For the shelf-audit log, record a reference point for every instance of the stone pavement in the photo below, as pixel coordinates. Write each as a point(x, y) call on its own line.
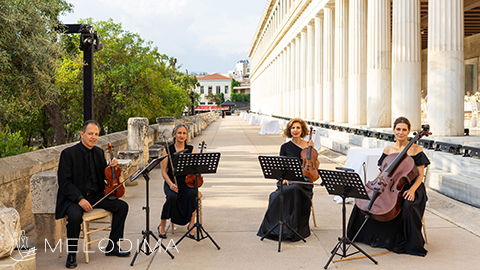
point(234, 202)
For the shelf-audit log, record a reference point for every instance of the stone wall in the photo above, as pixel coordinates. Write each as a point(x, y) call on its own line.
point(16, 171)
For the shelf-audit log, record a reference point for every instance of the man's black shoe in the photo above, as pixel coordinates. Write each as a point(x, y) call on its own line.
point(116, 251)
point(71, 260)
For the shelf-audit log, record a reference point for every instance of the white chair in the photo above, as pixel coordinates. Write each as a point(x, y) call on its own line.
point(475, 115)
point(424, 109)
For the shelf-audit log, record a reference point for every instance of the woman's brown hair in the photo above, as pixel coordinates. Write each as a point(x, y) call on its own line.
point(401, 119)
point(288, 134)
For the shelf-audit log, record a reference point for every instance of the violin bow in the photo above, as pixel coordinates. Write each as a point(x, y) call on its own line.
point(170, 159)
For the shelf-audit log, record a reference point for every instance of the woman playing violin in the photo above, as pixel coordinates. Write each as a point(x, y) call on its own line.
point(403, 233)
point(297, 197)
point(180, 202)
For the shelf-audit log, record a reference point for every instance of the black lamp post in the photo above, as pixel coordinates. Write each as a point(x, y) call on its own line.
point(89, 44)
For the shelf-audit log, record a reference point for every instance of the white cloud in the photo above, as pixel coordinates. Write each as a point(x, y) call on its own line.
point(204, 35)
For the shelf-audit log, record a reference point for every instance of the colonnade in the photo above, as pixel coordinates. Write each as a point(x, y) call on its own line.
point(349, 61)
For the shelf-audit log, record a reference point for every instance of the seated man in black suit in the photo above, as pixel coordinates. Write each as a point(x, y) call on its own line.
point(81, 183)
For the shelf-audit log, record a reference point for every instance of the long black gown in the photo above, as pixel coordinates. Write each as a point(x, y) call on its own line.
point(178, 207)
point(297, 203)
point(403, 234)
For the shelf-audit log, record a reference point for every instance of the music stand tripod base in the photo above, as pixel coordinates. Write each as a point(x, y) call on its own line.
point(197, 163)
point(147, 232)
point(275, 167)
point(345, 184)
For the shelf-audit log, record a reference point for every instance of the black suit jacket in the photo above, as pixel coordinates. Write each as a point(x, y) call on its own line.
point(72, 176)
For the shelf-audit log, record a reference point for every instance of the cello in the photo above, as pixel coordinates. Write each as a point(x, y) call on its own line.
point(190, 179)
point(386, 190)
point(309, 158)
point(112, 174)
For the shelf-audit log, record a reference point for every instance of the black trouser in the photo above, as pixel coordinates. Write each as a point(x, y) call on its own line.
point(118, 208)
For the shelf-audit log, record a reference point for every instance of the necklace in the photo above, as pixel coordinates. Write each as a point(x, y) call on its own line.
point(399, 149)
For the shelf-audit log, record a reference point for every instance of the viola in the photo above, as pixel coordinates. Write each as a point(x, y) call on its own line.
point(309, 159)
point(112, 175)
point(190, 179)
point(386, 191)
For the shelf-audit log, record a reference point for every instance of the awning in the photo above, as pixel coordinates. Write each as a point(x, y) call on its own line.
point(227, 103)
point(210, 107)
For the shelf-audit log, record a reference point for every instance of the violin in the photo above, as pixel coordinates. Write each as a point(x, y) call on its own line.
point(190, 179)
point(309, 159)
point(112, 174)
point(386, 190)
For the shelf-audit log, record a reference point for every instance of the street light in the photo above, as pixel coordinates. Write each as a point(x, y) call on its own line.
point(89, 44)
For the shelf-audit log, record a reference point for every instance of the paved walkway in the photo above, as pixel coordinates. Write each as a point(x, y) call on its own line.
point(234, 202)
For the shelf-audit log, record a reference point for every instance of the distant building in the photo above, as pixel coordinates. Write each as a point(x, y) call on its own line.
point(241, 73)
point(213, 84)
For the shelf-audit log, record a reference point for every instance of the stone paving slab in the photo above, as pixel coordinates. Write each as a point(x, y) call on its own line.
point(234, 202)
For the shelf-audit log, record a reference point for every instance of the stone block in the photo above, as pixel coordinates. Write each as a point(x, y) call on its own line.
point(137, 131)
point(165, 127)
point(9, 230)
point(44, 188)
point(47, 228)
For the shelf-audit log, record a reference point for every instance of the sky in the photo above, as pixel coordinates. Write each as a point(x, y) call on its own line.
point(204, 35)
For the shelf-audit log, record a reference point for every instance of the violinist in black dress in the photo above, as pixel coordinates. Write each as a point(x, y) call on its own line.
point(297, 197)
point(403, 234)
point(179, 206)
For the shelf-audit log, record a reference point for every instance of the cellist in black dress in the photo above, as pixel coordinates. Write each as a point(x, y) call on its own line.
point(297, 197)
point(403, 234)
point(179, 206)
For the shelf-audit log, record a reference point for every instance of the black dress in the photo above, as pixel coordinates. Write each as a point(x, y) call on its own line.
point(297, 203)
point(179, 206)
point(403, 234)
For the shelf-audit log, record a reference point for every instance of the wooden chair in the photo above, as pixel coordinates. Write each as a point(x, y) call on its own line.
point(96, 217)
point(313, 215)
point(424, 224)
point(200, 196)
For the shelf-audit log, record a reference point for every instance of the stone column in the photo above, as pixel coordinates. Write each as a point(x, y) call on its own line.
point(303, 74)
point(446, 70)
point(288, 76)
point(137, 131)
point(357, 67)
point(44, 187)
point(328, 78)
point(341, 61)
point(318, 74)
point(283, 83)
point(298, 62)
point(310, 69)
point(378, 64)
point(406, 61)
point(293, 81)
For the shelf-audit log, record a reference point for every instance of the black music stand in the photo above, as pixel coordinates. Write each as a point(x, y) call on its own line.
point(280, 168)
point(197, 163)
point(147, 232)
point(345, 184)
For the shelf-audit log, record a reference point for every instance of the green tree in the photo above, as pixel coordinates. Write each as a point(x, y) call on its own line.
point(28, 59)
point(11, 143)
point(233, 84)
